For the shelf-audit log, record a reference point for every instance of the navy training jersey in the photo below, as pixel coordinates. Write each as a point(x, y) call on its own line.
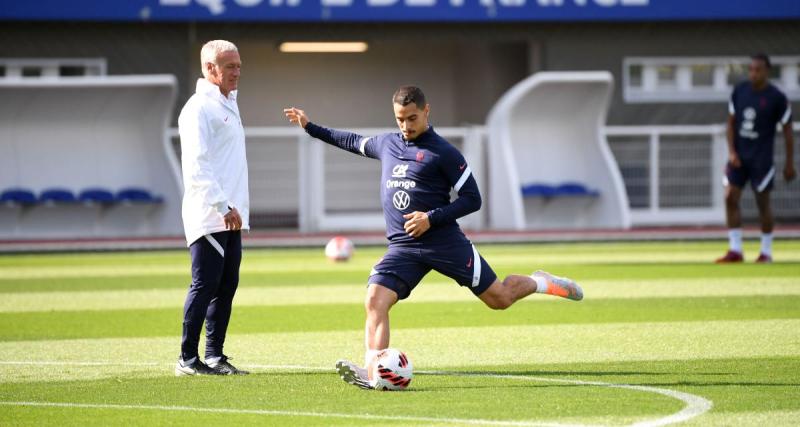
point(416, 175)
point(756, 114)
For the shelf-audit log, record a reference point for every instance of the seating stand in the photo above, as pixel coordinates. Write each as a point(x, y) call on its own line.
point(131, 211)
point(547, 131)
point(76, 144)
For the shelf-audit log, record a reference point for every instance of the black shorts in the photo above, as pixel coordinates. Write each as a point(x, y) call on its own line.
point(761, 175)
point(402, 268)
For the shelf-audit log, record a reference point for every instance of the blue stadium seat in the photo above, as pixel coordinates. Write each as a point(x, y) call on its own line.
point(137, 195)
point(20, 196)
point(57, 195)
point(575, 189)
point(538, 190)
point(96, 195)
point(564, 189)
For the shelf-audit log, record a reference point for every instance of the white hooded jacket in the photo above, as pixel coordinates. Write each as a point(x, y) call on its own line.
point(213, 161)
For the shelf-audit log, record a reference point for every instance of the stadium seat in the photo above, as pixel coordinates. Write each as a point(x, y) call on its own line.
point(137, 195)
point(19, 196)
point(538, 190)
point(96, 195)
point(57, 195)
point(575, 189)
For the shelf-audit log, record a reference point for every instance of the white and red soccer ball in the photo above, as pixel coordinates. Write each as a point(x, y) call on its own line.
point(339, 249)
point(391, 370)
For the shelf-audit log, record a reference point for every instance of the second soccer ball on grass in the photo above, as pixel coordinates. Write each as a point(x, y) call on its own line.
point(339, 249)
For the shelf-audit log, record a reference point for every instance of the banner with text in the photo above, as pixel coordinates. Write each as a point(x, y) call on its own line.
point(396, 10)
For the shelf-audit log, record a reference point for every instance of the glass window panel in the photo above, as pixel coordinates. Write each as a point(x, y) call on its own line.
point(31, 71)
point(93, 70)
point(775, 72)
point(798, 75)
point(666, 75)
point(737, 73)
point(635, 75)
point(72, 70)
point(702, 75)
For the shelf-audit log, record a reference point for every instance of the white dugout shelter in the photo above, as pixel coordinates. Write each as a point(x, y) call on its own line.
point(550, 165)
point(88, 157)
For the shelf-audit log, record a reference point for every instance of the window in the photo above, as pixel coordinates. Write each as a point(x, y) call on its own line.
point(635, 75)
point(736, 73)
point(667, 76)
point(51, 67)
point(702, 75)
point(699, 79)
point(31, 71)
point(775, 73)
point(71, 70)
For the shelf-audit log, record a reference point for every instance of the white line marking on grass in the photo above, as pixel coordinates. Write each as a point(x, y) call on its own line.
point(151, 364)
point(695, 405)
point(286, 413)
point(55, 363)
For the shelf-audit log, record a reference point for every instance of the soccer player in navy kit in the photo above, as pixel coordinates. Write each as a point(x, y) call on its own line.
point(755, 108)
point(419, 169)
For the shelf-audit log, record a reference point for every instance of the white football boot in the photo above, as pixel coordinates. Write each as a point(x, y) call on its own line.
point(353, 374)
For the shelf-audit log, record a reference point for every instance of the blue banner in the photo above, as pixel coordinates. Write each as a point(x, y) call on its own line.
point(396, 10)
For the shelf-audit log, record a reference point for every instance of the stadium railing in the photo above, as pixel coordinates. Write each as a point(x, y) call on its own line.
point(672, 173)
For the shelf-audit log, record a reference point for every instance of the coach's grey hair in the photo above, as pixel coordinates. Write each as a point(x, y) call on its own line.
point(212, 50)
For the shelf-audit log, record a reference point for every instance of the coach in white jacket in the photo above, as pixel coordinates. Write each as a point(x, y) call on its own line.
point(215, 206)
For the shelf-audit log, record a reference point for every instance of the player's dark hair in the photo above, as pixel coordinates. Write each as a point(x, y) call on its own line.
point(409, 94)
point(763, 58)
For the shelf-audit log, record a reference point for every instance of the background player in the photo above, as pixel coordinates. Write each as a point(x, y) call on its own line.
point(418, 170)
point(755, 108)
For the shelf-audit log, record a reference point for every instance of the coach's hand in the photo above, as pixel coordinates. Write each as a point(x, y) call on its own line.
point(788, 172)
point(734, 160)
point(233, 221)
point(296, 115)
point(417, 224)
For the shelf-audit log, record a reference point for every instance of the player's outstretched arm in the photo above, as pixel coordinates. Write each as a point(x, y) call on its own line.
point(349, 141)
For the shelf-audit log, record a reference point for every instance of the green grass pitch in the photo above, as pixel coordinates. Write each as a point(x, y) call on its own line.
point(662, 336)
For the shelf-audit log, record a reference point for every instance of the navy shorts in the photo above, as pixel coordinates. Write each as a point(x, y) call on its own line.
point(402, 268)
point(760, 174)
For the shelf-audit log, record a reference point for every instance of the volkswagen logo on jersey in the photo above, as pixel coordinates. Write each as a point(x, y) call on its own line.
point(401, 200)
point(399, 171)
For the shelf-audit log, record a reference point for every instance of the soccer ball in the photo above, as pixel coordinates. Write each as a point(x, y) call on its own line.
point(339, 249)
point(391, 370)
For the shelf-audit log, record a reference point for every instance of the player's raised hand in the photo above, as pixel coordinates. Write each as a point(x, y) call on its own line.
point(296, 115)
point(417, 224)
